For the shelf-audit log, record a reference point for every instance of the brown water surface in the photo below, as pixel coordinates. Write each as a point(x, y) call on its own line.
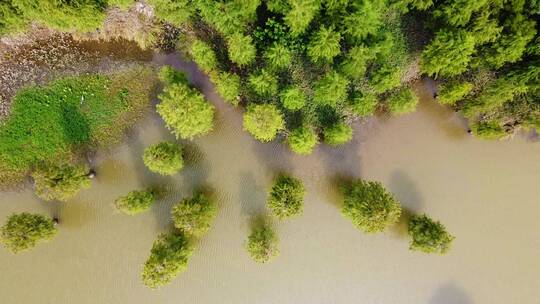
point(484, 192)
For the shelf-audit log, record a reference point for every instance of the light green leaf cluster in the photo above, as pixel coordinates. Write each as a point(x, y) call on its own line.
point(228, 86)
point(337, 134)
point(164, 158)
point(454, 91)
point(293, 98)
point(324, 45)
point(263, 121)
point(449, 54)
point(194, 215)
point(135, 202)
point(262, 244)
point(364, 104)
point(402, 102)
point(286, 197)
point(203, 55)
point(490, 129)
point(429, 236)
point(25, 230)
point(330, 89)
point(60, 181)
point(278, 56)
point(176, 12)
point(263, 83)
point(241, 49)
point(370, 206)
point(303, 140)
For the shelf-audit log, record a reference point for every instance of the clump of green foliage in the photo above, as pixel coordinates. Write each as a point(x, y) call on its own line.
point(175, 12)
point(262, 243)
point(203, 55)
point(429, 236)
point(194, 215)
point(25, 230)
point(53, 123)
point(306, 58)
point(164, 158)
point(60, 181)
point(364, 105)
point(135, 202)
point(168, 258)
point(454, 91)
point(228, 86)
point(293, 99)
point(370, 206)
point(337, 134)
point(184, 109)
point(303, 140)
point(263, 121)
point(488, 129)
point(403, 102)
point(286, 197)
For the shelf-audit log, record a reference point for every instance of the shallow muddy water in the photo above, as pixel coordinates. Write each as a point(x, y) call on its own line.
point(484, 192)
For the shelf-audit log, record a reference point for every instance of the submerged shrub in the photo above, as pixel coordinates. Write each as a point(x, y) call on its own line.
point(286, 197)
point(263, 121)
point(60, 181)
point(194, 215)
point(454, 91)
point(262, 244)
point(25, 230)
point(330, 89)
point(337, 134)
point(402, 102)
point(324, 45)
point(135, 202)
point(168, 258)
point(293, 98)
point(203, 55)
point(241, 49)
point(428, 236)
point(490, 129)
point(370, 206)
point(185, 111)
point(228, 87)
point(303, 140)
point(164, 158)
point(263, 83)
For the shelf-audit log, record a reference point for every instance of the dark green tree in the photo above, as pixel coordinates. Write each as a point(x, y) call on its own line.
point(25, 230)
point(164, 158)
point(194, 215)
point(428, 236)
point(286, 197)
point(60, 181)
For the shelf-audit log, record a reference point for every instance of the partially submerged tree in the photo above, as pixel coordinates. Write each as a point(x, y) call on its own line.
point(228, 86)
point(263, 121)
point(429, 236)
point(194, 215)
point(286, 198)
point(185, 110)
point(454, 91)
point(25, 230)
point(370, 206)
point(168, 258)
point(403, 102)
point(303, 140)
point(164, 158)
point(203, 55)
point(135, 202)
point(60, 181)
point(262, 243)
point(337, 134)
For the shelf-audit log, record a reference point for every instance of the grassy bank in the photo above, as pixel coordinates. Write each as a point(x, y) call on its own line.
point(70, 116)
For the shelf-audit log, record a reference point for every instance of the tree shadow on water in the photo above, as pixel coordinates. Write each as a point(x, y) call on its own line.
point(405, 190)
point(252, 196)
point(449, 293)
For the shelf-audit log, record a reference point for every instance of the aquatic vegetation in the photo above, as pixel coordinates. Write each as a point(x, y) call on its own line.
point(25, 230)
point(370, 206)
point(286, 198)
point(337, 134)
point(403, 102)
point(135, 202)
point(60, 181)
point(262, 243)
point(184, 109)
point(71, 115)
point(203, 55)
point(194, 215)
point(454, 91)
point(168, 258)
point(228, 86)
point(164, 158)
point(303, 140)
point(429, 236)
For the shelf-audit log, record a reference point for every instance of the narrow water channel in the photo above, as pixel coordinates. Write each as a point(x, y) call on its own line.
point(484, 192)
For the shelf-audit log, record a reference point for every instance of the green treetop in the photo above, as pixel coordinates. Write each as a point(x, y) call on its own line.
point(24, 230)
point(135, 202)
point(370, 206)
point(228, 87)
point(241, 49)
point(330, 89)
point(203, 55)
point(303, 140)
point(402, 102)
point(337, 134)
point(164, 158)
point(262, 243)
point(293, 98)
point(324, 45)
point(428, 236)
point(286, 197)
point(263, 121)
point(60, 181)
point(263, 83)
point(168, 258)
point(194, 215)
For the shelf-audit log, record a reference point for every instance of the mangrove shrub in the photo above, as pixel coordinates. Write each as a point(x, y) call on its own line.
point(194, 215)
point(24, 230)
point(60, 181)
point(262, 243)
point(403, 102)
point(135, 202)
point(303, 140)
point(428, 236)
point(263, 121)
point(164, 158)
point(370, 206)
point(286, 197)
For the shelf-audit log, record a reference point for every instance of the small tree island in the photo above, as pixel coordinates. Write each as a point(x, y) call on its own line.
point(286, 197)
point(429, 236)
point(135, 202)
point(370, 206)
point(164, 158)
point(194, 215)
point(60, 181)
point(25, 230)
point(262, 243)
